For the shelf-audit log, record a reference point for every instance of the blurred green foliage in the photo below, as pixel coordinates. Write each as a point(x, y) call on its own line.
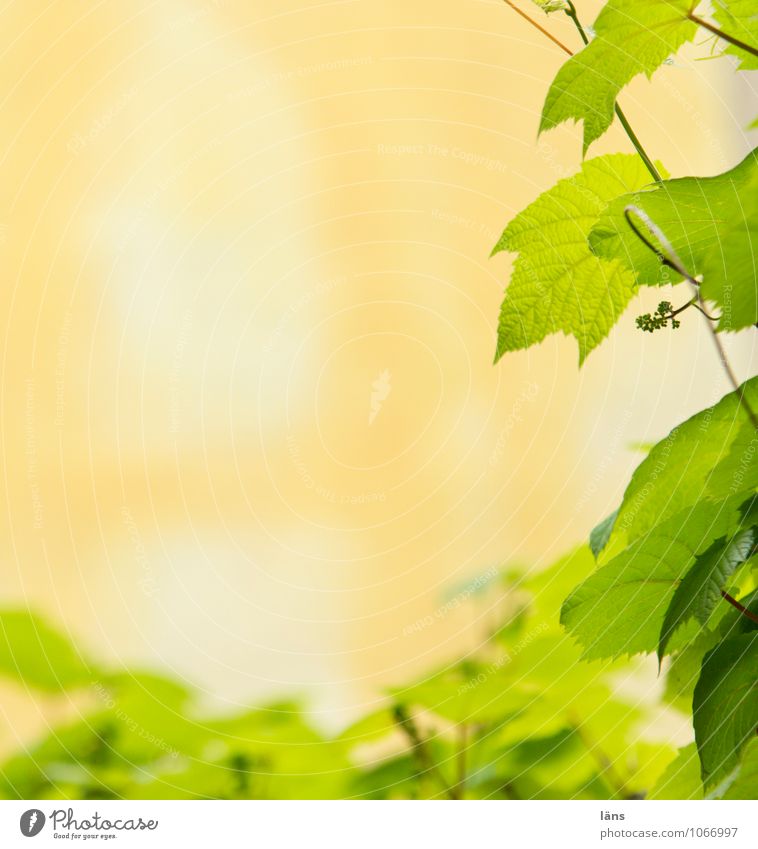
point(520, 718)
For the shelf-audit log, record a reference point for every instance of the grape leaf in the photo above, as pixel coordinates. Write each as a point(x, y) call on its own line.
point(557, 283)
point(725, 705)
point(620, 609)
point(739, 18)
point(700, 589)
point(632, 37)
point(712, 223)
point(710, 454)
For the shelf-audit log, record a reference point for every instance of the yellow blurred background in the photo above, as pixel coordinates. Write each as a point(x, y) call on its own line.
point(251, 429)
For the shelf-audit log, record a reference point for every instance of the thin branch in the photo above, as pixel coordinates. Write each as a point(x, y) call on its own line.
point(603, 761)
point(748, 48)
point(649, 164)
point(538, 26)
point(571, 12)
point(669, 257)
point(741, 607)
point(462, 747)
point(420, 750)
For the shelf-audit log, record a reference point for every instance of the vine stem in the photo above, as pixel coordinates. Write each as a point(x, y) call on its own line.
point(721, 34)
point(669, 257)
point(741, 607)
point(624, 121)
point(420, 750)
point(462, 751)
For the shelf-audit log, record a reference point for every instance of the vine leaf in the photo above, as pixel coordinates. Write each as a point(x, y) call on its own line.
point(700, 590)
point(705, 457)
point(725, 705)
point(557, 283)
point(620, 609)
point(740, 19)
point(632, 37)
point(672, 512)
point(712, 223)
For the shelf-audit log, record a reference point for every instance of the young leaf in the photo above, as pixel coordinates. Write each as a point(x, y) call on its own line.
point(712, 223)
point(632, 37)
point(700, 589)
point(725, 705)
point(549, 6)
point(739, 18)
point(557, 283)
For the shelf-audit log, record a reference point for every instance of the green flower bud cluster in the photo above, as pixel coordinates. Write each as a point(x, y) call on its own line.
point(660, 318)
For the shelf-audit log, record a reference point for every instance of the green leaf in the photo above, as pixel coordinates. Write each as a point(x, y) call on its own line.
point(600, 534)
point(681, 778)
point(684, 669)
point(700, 589)
point(704, 458)
point(632, 37)
point(36, 655)
point(620, 609)
point(712, 224)
point(557, 284)
point(739, 18)
point(725, 705)
point(743, 782)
